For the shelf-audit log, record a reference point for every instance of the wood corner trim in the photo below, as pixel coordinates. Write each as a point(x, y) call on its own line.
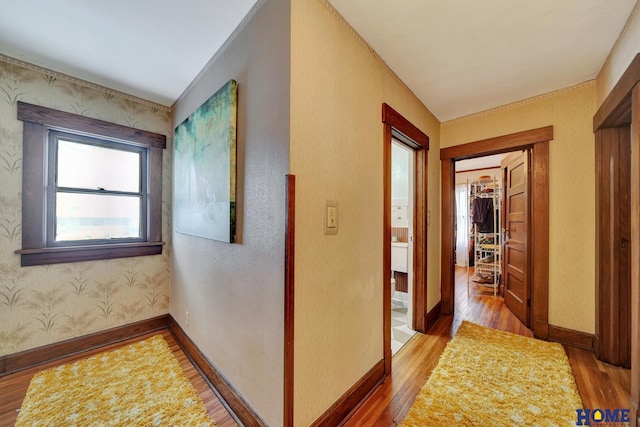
point(571, 337)
point(228, 394)
point(289, 299)
point(346, 405)
point(48, 353)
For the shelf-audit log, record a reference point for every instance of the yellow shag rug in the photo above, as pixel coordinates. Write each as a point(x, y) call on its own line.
point(140, 384)
point(492, 378)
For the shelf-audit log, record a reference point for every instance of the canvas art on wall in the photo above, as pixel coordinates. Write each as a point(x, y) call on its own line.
point(205, 168)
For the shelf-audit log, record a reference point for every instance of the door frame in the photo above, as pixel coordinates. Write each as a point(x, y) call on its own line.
point(536, 140)
point(621, 108)
point(395, 126)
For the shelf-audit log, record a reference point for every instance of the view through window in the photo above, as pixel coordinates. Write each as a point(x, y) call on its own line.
point(99, 191)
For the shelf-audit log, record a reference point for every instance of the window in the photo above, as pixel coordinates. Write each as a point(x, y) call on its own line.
point(102, 189)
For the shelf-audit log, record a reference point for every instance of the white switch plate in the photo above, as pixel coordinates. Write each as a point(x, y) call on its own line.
point(331, 217)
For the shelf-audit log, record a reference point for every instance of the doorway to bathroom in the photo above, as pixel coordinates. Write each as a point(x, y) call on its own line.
point(402, 226)
point(395, 126)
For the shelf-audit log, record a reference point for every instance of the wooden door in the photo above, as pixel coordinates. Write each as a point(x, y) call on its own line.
point(613, 248)
point(516, 230)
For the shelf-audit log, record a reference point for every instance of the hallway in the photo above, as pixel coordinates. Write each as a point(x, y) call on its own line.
point(600, 385)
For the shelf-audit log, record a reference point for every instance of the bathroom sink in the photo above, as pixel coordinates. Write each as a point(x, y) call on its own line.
point(399, 256)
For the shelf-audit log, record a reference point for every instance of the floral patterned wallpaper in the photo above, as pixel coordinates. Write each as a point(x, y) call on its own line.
point(45, 304)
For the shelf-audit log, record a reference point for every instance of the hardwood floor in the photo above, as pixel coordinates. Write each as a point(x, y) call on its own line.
point(600, 385)
point(14, 387)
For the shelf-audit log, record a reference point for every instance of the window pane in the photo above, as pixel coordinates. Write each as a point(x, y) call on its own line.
point(96, 216)
point(92, 167)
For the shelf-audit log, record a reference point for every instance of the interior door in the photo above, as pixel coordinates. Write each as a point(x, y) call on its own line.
point(517, 288)
point(613, 251)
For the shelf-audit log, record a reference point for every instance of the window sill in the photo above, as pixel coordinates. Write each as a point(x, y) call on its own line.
point(58, 255)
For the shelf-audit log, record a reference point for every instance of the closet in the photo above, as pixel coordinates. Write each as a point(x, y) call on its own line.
point(485, 202)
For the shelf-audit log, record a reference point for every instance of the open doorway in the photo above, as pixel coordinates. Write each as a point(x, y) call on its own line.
point(395, 126)
point(402, 254)
point(493, 233)
point(478, 188)
point(536, 142)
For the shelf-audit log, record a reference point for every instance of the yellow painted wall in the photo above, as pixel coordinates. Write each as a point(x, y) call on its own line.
point(337, 88)
point(623, 52)
point(571, 190)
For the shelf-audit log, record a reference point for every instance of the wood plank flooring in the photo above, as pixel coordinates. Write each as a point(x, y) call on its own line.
point(600, 385)
point(14, 387)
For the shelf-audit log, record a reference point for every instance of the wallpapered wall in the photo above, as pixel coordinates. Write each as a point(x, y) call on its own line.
point(45, 304)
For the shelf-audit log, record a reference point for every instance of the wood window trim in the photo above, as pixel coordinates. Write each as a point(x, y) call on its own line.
point(37, 121)
point(538, 141)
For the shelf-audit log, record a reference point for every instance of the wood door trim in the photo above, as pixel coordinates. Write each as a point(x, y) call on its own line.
point(398, 122)
point(540, 239)
point(395, 124)
point(625, 96)
point(386, 251)
point(616, 108)
point(448, 281)
point(530, 139)
point(635, 251)
point(289, 298)
point(498, 144)
point(420, 314)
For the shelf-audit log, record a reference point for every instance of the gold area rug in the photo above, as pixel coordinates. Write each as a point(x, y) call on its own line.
point(140, 384)
point(487, 377)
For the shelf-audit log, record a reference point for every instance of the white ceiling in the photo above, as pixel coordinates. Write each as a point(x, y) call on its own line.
point(465, 56)
point(152, 49)
point(479, 163)
point(459, 57)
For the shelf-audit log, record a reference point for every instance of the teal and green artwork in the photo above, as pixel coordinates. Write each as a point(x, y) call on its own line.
point(205, 168)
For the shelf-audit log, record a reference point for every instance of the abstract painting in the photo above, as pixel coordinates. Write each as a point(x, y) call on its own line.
point(205, 168)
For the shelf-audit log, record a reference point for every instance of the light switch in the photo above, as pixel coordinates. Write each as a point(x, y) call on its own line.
point(331, 217)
